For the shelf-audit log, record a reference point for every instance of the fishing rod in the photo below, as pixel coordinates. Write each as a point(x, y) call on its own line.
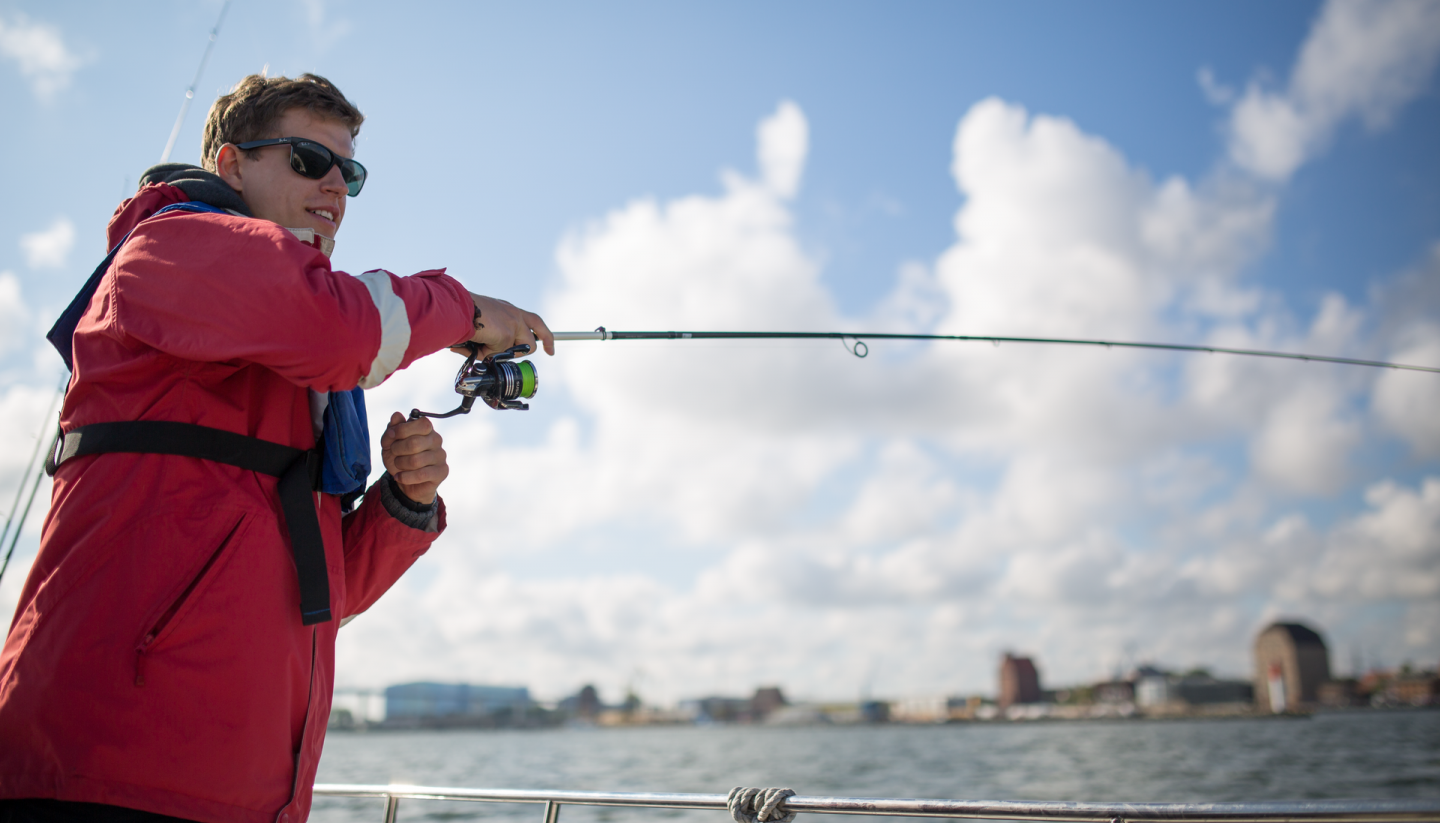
point(190, 92)
point(501, 382)
point(33, 465)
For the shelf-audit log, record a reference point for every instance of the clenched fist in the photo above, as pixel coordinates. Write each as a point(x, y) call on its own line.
point(412, 453)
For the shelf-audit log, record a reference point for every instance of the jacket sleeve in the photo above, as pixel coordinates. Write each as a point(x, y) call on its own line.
point(379, 548)
point(217, 288)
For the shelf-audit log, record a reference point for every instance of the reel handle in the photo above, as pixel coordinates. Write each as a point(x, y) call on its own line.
point(464, 408)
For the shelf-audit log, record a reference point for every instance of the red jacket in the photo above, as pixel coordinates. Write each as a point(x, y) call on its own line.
point(157, 659)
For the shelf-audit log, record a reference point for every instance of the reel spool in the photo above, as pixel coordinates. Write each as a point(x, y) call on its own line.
point(500, 382)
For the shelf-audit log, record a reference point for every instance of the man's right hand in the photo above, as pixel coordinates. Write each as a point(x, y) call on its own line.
point(500, 326)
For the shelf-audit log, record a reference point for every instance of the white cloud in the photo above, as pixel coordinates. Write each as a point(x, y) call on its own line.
point(13, 582)
point(1406, 401)
point(24, 411)
point(1308, 430)
point(907, 497)
point(1388, 552)
point(1404, 404)
point(1363, 59)
point(14, 316)
point(40, 53)
point(1304, 443)
point(928, 506)
point(1215, 91)
point(783, 140)
point(326, 28)
point(49, 248)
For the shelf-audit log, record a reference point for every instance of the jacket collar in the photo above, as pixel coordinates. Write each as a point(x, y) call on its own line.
point(207, 187)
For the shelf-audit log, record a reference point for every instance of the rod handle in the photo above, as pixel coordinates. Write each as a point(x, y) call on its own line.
point(598, 334)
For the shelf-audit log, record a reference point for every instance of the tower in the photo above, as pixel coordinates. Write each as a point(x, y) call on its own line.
point(1019, 681)
point(1291, 662)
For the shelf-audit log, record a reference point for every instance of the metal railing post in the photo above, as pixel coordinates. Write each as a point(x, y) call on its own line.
point(392, 808)
point(552, 811)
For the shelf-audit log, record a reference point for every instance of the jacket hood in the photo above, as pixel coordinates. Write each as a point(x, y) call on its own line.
point(171, 183)
point(168, 184)
point(198, 185)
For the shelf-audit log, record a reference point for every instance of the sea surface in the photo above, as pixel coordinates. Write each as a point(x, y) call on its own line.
point(1360, 755)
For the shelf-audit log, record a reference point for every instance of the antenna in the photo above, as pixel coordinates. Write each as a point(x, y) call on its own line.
point(190, 92)
point(164, 158)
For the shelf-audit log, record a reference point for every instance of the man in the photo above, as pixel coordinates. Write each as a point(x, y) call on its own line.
point(172, 653)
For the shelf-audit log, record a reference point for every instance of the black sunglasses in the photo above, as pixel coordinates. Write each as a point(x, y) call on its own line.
point(312, 160)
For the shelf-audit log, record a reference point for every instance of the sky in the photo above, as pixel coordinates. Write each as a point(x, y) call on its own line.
point(685, 519)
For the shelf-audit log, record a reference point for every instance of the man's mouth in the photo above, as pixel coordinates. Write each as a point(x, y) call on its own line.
point(325, 213)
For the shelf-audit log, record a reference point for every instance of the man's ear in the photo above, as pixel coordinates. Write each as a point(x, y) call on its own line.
point(228, 166)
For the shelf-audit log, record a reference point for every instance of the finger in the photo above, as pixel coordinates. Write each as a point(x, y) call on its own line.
point(412, 428)
point(389, 436)
point(401, 465)
point(392, 440)
point(538, 326)
point(416, 443)
point(422, 479)
point(415, 474)
point(400, 454)
point(415, 460)
point(433, 475)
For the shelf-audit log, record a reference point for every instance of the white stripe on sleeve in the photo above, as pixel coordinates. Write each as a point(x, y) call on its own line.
point(394, 327)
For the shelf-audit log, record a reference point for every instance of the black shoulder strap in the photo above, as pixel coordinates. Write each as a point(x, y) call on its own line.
point(298, 470)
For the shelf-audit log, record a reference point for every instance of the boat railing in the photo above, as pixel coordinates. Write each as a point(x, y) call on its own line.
point(1309, 811)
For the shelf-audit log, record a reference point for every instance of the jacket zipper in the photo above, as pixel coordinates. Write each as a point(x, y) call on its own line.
point(169, 614)
point(304, 732)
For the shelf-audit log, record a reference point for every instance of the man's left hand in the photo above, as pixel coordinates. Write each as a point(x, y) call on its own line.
point(412, 454)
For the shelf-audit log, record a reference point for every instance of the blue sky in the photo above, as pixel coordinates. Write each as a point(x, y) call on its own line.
point(1240, 173)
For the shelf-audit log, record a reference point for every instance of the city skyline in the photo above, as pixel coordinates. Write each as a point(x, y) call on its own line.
point(1020, 680)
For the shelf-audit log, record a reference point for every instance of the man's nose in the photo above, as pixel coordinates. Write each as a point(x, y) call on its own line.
point(334, 181)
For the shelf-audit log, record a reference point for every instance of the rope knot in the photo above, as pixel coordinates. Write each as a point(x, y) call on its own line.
point(759, 805)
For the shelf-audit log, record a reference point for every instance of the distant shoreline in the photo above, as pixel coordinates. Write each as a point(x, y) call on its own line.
point(995, 722)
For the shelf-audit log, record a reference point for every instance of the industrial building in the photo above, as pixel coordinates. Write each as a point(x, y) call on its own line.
point(453, 700)
point(1291, 662)
point(1019, 681)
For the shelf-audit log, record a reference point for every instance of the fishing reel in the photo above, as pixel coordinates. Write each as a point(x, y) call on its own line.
point(499, 381)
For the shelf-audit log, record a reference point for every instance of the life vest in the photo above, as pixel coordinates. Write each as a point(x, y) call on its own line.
point(340, 464)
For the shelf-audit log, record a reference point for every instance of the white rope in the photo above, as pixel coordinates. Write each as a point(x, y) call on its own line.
point(759, 805)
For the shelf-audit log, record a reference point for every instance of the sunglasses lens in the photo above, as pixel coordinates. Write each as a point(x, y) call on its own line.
point(310, 160)
point(314, 161)
point(354, 175)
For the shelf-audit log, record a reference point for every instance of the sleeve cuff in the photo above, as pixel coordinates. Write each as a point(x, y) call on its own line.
point(426, 518)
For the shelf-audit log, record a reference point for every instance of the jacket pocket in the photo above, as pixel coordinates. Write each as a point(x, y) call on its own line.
point(163, 625)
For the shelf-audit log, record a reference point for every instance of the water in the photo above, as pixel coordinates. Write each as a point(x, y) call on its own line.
point(1363, 755)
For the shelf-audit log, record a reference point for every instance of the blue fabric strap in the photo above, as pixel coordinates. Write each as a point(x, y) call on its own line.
point(345, 446)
